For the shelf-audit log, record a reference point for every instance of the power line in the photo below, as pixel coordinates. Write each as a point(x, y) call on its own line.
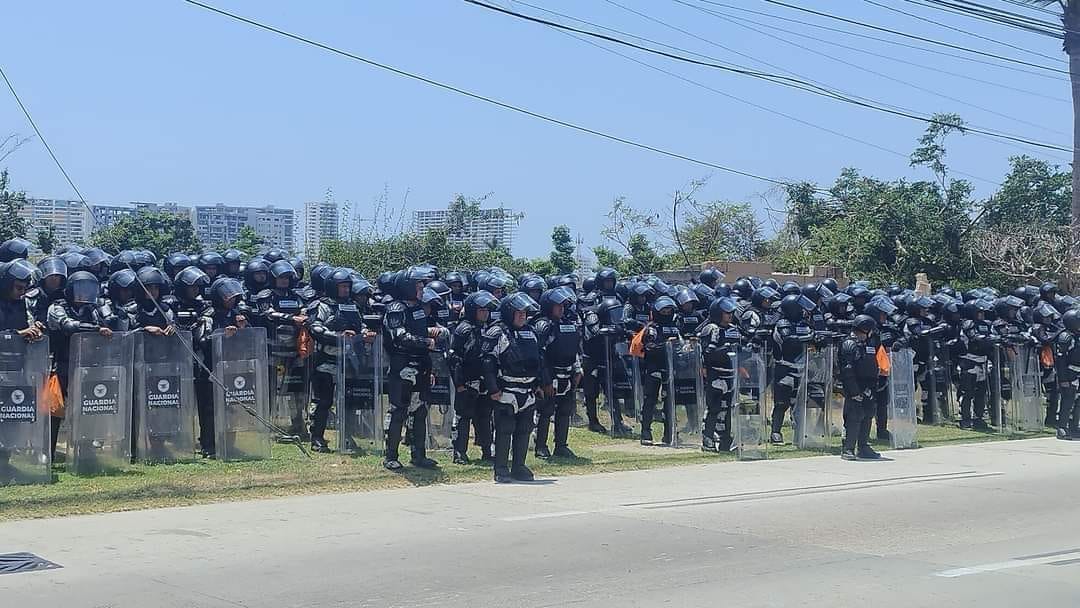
point(795, 83)
point(882, 75)
point(963, 31)
point(44, 142)
point(736, 18)
point(485, 99)
point(915, 37)
point(887, 41)
point(758, 106)
point(997, 17)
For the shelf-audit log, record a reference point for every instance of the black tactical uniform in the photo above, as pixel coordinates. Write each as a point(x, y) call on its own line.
point(720, 340)
point(227, 311)
point(559, 335)
point(858, 375)
point(790, 337)
point(465, 361)
point(513, 373)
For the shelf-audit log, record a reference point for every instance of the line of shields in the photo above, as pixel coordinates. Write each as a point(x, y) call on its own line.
point(128, 397)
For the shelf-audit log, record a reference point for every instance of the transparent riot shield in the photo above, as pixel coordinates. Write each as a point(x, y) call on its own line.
point(1000, 389)
point(241, 400)
point(358, 395)
point(835, 404)
point(903, 416)
point(24, 419)
point(622, 383)
point(812, 400)
point(289, 381)
point(164, 398)
point(440, 404)
point(945, 383)
point(99, 401)
point(748, 415)
point(1025, 415)
point(685, 401)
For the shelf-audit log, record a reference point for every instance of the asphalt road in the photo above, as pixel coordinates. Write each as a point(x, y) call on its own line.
point(978, 525)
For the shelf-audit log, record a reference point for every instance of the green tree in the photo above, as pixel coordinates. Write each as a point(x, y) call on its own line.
point(721, 231)
point(607, 257)
point(562, 254)
point(11, 202)
point(1033, 192)
point(160, 232)
point(46, 237)
point(461, 214)
point(247, 240)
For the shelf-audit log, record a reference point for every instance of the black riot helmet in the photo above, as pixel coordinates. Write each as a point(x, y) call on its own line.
point(610, 311)
point(316, 269)
point(256, 275)
point(588, 284)
point(840, 305)
point(743, 289)
point(534, 286)
point(190, 281)
point(479, 300)
point(812, 291)
point(831, 284)
point(174, 263)
point(224, 290)
point(865, 323)
point(494, 284)
point(429, 297)
point(722, 290)
point(441, 288)
point(298, 266)
point(763, 296)
point(361, 291)
point(82, 287)
point(453, 277)
point(74, 261)
point(685, 296)
point(720, 306)
point(406, 281)
point(1071, 320)
point(1063, 303)
point(14, 249)
point(663, 303)
point(234, 262)
point(273, 255)
point(606, 279)
point(1045, 314)
point(332, 285)
point(9, 274)
point(211, 263)
point(151, 277)
point(52, 266)
point(553, 297)
point(794, 307)
point(319, 280)
point(705, 294)
point(710, 277)
point(642, 293)
point(1048, 291)
point(514, 303)
point(791, 288)
point(142, 258)
point(121, 279)
point(384, 282)
point(282, 269)
point(124, 259)
point(879, 308)
point(917, 307)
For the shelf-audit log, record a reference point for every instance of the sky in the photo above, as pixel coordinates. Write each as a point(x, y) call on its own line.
point(164, 101)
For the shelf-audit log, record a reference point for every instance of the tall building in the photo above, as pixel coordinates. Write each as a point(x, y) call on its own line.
point(70, 220)
point(107, 215)
point(321, 223)
point(220, 223)
point(489, 227)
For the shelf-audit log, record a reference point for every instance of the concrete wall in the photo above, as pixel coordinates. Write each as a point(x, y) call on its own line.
point(764, 270)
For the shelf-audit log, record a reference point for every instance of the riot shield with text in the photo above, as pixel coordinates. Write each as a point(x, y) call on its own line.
point(1025, 413)
point(748, 417)
point(164, 399)
point(289, 381)
point(24, 419)
point(242, 398)
point(903, 416)
point(440, 399)
point(99, 401)
point(1000, 387)
point(358, 395)
point(685, 395)
point(812, 399)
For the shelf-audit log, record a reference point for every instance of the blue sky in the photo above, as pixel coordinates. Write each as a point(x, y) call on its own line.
point(164, 101)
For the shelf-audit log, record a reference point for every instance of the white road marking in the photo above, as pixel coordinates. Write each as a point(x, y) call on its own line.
point(546, 515)
point(1006, 565)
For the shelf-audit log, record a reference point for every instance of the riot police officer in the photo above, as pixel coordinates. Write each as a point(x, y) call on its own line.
point(211, 263)
point(858, 376)
point(465, 361)
point(720, 339)
point(16, 311)
point(51, 288)
point(559, 335)
point(1067, 358)
point(514, 376)
point(151, 312)
point(790, 337)
point(14, 249)
point(233, 262)
point(1045, 330)
point(658, 331)
point(689, 316)
point(228, 313)
point(407, 340)
point(334, 317)
point(979, 340)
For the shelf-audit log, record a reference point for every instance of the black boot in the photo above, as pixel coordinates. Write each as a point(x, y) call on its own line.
point(518, 470)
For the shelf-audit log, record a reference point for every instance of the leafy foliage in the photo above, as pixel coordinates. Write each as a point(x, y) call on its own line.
point(247, 240)
point(1033, 192)
point(45, 237)
point(562, 254)
point(11, 202)
point(160, 232)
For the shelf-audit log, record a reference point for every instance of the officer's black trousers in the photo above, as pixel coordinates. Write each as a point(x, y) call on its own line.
point(560, 407)
point(651, 386)
point(1068, 416)
point(717, 420)
point(858, 414)
point(464, 413)
point(784, 391)
point(401, 396)
point(322, 388)
point(204, 401)
point(512, 431)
